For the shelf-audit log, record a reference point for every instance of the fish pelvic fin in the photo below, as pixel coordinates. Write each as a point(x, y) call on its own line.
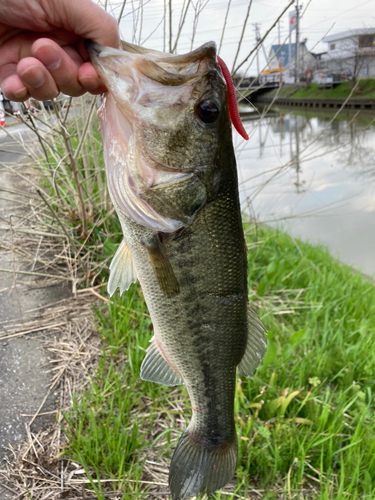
point(162, 267)
point(156, 368)
point(123, 272)
point(199, 467)
point(256, 345)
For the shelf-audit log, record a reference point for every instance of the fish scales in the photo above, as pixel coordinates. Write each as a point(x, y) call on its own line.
point(193, 270)
point(205, 325)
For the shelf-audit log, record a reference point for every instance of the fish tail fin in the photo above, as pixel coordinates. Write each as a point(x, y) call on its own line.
point(198, 467)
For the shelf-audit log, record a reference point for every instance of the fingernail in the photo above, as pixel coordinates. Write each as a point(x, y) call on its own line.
point(33, 76)
point(20, 93)
point(49, 56)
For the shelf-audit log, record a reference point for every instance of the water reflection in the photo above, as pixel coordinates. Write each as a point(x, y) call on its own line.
point(315, 174)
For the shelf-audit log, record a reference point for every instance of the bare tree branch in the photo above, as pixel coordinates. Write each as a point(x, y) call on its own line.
point(242, 35)
point(225, 23)
point(265, 36)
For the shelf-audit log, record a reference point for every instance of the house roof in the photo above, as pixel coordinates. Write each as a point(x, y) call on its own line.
point(348, 34)
point(282, 52)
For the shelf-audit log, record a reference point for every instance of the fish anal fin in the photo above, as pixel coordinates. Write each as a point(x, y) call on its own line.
point(162, 268)
point(122, 270)
point(256, 345)
point(155, 367)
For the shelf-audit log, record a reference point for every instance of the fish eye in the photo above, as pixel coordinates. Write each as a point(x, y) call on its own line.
point(208, 111)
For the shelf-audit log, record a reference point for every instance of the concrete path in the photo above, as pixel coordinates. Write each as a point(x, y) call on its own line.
point(23, 378)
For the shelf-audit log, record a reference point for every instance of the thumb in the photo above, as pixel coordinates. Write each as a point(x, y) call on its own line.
point(88, 20)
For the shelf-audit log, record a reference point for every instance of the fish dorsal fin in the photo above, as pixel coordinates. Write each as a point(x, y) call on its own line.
point(155, 367)
point(256, 344)
point(123, 271)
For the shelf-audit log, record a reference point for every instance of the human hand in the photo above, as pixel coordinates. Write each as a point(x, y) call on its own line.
point(42, 51)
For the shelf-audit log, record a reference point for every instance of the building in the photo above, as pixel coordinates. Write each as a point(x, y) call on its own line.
point(284, 56)
point(350, 53)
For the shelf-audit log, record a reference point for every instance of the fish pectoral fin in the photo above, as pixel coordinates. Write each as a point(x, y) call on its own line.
point(176, 195)
point(123, 271)
point(155, 367)
point(256, 344)
point(162, 268)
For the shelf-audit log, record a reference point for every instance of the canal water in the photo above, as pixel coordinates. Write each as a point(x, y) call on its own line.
point(313, 175)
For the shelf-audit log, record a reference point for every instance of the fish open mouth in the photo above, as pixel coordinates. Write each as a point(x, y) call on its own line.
point(169, 69)
point(137, 79)
point(139, 76)
point(147, 119)
point(160, 67)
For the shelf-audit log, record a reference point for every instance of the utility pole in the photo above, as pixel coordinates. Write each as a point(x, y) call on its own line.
point(257, 40)
point(279, 40)
point(297, 41)
point(292, 19)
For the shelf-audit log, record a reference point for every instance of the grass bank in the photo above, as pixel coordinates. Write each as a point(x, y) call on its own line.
point(365, 89)
point(283, 91)
point(305, 420)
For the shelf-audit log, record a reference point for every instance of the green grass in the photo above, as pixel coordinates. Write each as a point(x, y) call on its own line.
point(305, 420)
point(284, 91)
point(365, 89)
point(112, 423)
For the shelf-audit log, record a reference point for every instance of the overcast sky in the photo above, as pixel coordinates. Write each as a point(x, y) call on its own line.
point(320, 18)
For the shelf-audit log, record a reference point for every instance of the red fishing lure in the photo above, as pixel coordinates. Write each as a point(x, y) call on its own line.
point(232, 102)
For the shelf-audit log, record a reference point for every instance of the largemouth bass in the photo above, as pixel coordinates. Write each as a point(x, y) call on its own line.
point(171, 174)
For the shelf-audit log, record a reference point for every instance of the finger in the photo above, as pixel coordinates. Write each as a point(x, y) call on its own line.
point(90, 79)
point(62, 65)
point(91, 21)
point(37, 79)
point(11, 85)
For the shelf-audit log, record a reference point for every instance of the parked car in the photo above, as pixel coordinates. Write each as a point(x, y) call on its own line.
point(322, 79)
